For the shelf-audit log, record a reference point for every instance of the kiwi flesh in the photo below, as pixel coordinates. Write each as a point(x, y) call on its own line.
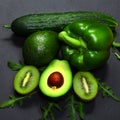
point(85, 85)
point(26, 79)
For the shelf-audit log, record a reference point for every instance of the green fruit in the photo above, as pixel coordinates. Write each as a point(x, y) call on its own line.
point(40, 48)
point(26, 79)
point(56, 79)
point(85, 85)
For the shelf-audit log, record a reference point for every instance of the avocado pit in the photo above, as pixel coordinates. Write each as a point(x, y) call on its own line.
point(55, 80)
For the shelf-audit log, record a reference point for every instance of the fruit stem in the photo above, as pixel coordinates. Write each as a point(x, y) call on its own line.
point(7, 26)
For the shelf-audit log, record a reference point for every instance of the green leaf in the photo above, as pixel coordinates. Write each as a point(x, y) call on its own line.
point(52, 116)
point(57, 106)
point(71, 106)
point(7, 103)
point(75, 107)
point(106, 91)
point(47, 112)
point(15, 67)
point(81, 109)
point(12, 100)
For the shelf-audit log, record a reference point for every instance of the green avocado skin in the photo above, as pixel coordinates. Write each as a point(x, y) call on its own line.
point(61, 66)
point(40, 48)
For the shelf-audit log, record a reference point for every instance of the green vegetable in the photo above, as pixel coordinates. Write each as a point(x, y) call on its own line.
point(25, 25)
point(75, 107)
point(106, 91)
point(87, 44)
point(13, 99)
point(14, 66)
point(47, 112)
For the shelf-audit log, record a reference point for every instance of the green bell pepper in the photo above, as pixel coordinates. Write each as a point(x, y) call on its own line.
point(87, 44)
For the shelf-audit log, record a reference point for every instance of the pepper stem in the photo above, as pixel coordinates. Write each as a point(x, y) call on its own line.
point(73, 42)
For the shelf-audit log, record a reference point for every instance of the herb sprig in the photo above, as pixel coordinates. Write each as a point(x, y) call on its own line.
point(106, 91)
point(15, 66)
point(13, 99)
point(47, 112)
point(76, 107)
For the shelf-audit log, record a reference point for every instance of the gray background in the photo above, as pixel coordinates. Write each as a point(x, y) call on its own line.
point(10, 50)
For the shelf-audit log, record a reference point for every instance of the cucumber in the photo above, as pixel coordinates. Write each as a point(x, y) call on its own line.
point(27, 24)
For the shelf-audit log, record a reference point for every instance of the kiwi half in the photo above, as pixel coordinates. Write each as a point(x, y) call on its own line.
point(26, 79)
point(85, 85)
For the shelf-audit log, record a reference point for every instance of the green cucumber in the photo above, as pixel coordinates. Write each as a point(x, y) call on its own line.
point(30, 23)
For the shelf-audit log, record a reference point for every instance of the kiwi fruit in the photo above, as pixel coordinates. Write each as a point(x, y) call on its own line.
point(85, 85)
point(26, 79)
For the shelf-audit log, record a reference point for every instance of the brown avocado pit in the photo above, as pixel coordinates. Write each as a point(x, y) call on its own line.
point(55, 80)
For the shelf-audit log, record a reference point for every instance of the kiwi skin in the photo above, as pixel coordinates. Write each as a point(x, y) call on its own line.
point(77, 87)
point(30, 76)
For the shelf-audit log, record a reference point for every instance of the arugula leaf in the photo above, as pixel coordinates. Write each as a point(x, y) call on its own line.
point(47, 112)
point(75, 107)
point(71, 106)
point(14, 66)
point(13, 99)
point(106, 91)
point(80, 107)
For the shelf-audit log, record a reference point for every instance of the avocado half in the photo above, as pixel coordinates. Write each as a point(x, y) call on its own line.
point(56, 66)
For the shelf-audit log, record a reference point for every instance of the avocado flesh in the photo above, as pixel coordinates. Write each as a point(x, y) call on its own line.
point(61, 66)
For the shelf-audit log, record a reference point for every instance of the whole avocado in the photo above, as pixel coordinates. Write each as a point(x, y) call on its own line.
point(40, 48)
